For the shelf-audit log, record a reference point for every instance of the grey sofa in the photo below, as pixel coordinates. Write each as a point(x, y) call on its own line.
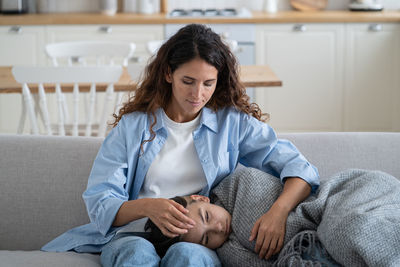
point(42, 179)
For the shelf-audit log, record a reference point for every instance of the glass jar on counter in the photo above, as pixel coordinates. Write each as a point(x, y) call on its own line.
point(108, 7)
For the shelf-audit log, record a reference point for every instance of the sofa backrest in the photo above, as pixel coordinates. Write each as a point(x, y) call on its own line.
point(42, 178)
point(41, 184)
point(334, 152)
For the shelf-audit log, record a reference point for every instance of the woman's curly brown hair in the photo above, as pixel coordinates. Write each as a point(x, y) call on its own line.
point(190, 42)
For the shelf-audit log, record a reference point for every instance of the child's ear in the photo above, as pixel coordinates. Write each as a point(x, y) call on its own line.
point(200, 198)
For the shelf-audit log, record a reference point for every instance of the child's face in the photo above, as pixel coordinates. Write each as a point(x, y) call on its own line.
point(212, 224)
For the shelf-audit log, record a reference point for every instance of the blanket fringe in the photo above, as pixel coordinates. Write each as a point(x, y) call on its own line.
point(291, 254)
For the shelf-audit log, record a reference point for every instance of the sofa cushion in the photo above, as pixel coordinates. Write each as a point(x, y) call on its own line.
point(50, 259)
point(334, 152)
point(41, 184)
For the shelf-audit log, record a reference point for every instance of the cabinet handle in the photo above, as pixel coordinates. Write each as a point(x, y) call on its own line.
point(299, 28)
point(105, 29)
point(375, 27)
point(16, 29)
point(137, 59)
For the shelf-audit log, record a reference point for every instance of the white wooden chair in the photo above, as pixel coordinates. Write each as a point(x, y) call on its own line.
point(232, 44)
point(99, 53)
point(135, 71)
point(59, 76)
point(90, 52)
point(153, 46)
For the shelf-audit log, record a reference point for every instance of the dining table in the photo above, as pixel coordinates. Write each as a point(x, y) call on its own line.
point(250, 76)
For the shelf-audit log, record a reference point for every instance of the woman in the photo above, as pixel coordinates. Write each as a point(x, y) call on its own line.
point(188, 126)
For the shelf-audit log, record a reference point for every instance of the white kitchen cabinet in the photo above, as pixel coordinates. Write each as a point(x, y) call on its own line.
point(308, 58)
point(138, 34)
point(372, 70)
point(21, 45)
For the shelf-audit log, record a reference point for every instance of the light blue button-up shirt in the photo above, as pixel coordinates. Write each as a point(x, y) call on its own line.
point(222, 140)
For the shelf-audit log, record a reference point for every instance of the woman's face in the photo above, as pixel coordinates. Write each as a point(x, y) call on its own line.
point(193, 84)
point(212, 227)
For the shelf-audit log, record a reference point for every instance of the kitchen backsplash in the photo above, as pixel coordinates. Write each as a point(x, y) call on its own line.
point(45, 6)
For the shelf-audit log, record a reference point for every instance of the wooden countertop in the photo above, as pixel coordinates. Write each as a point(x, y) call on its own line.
point(160, 18)
point(251, 76)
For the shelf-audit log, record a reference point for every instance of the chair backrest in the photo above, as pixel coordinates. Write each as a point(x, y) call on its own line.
point(232, 44)
point(153, 46)
point(90, 52)
point(135, 71)
point(65, 76)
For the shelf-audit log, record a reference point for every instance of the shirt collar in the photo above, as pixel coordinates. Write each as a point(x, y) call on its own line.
point(208, 119)
point(160, 122)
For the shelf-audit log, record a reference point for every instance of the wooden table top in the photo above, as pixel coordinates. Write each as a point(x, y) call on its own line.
point(288, 16)
point(251, 76)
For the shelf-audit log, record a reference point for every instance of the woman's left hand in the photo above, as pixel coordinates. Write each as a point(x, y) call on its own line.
point(269, 230)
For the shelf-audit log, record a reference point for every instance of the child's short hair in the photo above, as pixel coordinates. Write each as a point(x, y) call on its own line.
point(160, 241)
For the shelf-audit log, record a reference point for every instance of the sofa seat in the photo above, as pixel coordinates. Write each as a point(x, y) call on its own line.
point(47, 259)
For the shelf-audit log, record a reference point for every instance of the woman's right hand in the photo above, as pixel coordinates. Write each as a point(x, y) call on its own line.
point(169, 216)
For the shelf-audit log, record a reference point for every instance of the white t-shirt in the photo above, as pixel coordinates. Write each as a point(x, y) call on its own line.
point(175, 171)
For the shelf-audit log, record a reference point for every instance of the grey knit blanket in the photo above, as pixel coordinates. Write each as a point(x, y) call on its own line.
point(355, 216)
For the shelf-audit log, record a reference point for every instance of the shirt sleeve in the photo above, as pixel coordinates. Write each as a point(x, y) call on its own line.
point(260, 148)
point(106, 192)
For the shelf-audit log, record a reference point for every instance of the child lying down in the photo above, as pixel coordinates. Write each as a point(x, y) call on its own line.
point(352, 220)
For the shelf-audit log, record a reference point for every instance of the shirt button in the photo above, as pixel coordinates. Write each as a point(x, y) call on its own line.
point(195, 137)
point(204, 160)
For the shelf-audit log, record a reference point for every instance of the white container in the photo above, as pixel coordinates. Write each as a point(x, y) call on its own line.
point(130, 6)
point(46, 6)
point(108, 7)
point(70, 6)
point(271, 6)
point(147, 6)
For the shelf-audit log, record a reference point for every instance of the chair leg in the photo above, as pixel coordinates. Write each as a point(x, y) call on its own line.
point(61, 116)
point(118, 102)
point(92, 100)
point(44, 111)
point(29, 105)
point(65, 108)
point(76, 110)
point(103, 118)
point(22, 118)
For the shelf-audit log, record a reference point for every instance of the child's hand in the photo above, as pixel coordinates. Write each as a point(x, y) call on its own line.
point(270, 232)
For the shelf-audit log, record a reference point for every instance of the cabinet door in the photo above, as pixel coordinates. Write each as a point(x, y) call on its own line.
point(21, 45)
point(372, 85)
point(308, 59)
point(138, 34)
